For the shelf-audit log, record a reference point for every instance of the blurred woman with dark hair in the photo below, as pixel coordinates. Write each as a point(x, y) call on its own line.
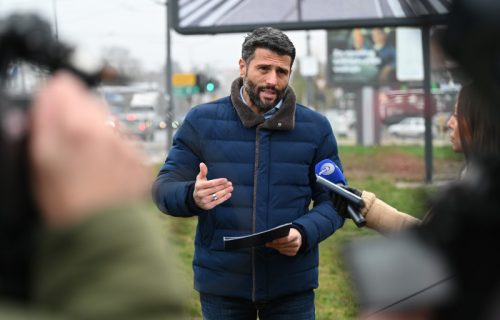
point(474, 131)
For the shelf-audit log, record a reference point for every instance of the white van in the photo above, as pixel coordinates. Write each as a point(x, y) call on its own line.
point(141, 115)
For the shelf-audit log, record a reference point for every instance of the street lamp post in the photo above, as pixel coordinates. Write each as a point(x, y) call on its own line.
point(168, 80)
point(54, 13)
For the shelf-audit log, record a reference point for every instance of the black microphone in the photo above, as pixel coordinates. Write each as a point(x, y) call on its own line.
point(329, 175)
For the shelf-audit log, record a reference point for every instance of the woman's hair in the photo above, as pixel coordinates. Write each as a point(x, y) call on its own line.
point(478, 123)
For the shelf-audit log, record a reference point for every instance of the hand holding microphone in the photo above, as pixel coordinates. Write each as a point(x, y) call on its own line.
point(343, 205)
point(347, 200)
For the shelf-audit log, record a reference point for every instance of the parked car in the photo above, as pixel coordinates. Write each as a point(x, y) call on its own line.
point(411, 127)
point(139, 126)
point(342, 121)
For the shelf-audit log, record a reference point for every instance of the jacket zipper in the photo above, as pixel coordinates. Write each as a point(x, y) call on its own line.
point(254, 214)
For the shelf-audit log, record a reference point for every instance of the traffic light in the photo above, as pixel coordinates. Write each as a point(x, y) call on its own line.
point(206, 84)
point(201, 81)
point(211, 85)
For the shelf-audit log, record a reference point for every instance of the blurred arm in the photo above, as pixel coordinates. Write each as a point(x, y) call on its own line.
point(113, 265)
point(382, 217)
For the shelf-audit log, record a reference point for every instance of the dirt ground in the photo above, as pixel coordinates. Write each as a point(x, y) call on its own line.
point(399, 167)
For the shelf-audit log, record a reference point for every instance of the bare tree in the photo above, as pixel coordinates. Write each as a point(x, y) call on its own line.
point(121, 59)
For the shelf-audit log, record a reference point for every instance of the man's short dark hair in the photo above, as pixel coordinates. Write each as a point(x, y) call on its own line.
point(267, 38)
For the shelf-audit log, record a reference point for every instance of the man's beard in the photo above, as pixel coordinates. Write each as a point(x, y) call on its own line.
point(253, 93)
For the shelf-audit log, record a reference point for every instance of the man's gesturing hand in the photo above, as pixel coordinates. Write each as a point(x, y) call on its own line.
point(209, 193)
point(289, 245)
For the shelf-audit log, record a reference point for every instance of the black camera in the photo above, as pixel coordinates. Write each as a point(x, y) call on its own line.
point(29, 39)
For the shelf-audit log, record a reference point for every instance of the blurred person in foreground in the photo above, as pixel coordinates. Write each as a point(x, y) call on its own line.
point(472, 128)
point(244, 164)
point(444, 267)
point(447, 265)
point(97, 256)
point(462, 233)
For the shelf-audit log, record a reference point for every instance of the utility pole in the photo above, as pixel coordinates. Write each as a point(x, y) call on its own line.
point(54, 13)
point(309, 79)
point(427, 103)
point(168, 81)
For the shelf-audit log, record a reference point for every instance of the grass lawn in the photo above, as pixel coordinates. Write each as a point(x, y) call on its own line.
point(377, 169)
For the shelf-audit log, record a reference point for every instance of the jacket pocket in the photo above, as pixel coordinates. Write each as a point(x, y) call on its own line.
point(205, 228)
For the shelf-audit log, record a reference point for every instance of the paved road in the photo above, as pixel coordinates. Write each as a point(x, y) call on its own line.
point(155, 150)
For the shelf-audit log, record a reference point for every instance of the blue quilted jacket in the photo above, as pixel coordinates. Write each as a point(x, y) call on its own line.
point(271, 165)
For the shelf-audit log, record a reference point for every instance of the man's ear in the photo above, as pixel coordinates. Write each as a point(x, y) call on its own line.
point(243, 67)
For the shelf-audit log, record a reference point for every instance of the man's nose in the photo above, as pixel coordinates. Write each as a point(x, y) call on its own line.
point(272, 78)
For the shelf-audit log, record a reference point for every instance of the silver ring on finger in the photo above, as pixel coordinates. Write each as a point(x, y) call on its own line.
point(214, 197)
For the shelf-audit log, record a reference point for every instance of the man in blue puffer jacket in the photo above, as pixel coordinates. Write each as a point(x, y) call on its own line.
point(244, 164)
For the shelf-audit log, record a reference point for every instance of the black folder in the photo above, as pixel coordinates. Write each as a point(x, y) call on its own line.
point(257, 239)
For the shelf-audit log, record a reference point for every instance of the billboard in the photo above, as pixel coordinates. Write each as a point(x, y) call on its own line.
point(362, 56)
point(374, 56)
point(226, 16)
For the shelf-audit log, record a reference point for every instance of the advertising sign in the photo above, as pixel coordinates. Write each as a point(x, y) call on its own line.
point(227, 16)
point(362, 56)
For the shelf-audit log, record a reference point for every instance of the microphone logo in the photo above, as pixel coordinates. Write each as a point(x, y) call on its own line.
point(327, 169)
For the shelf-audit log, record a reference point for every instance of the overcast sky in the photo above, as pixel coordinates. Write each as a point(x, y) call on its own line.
point(139, 25)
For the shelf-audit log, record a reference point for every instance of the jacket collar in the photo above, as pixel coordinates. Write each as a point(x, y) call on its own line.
point(284, 119)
